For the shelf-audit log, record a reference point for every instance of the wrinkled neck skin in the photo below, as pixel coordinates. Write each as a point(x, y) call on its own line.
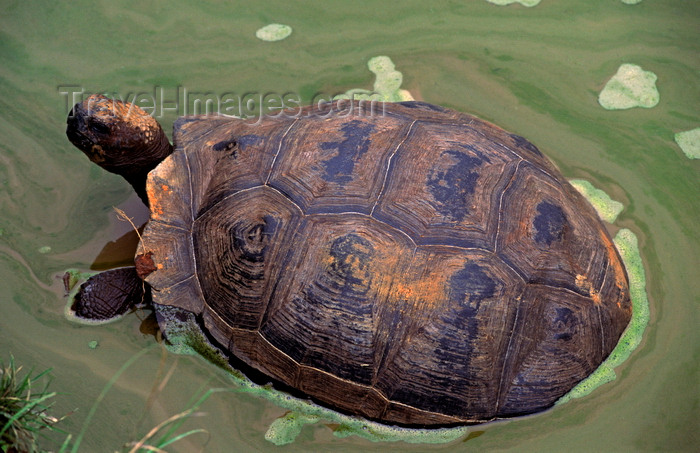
point(136, 172)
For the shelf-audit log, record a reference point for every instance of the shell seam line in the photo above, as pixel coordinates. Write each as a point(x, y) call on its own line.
point(279, 148)
point(602, 331)
point(600, 316)
point(388, 166)
point(166, 288)
point(500, 206)
point(505, 359)
point(191, 235)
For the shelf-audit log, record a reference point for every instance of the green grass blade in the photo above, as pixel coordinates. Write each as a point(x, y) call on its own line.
point(19, 414)
point(182, 436)
point(66, 444)
point(23, 408)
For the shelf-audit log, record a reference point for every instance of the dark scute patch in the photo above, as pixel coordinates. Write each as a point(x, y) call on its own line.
point(229, 147)
point(422, 106)
point(294, 343)
point(356, 143)
point(350, 266)
point(331, 317)
point(225, 145)
point(523, 143)
point(452, 189)
point(470, 285)
point(234, 267)
point(249, 140)
point(468, 288)
point(564, 323)
point(472, 149)
point(233, 145)
point(549, 223)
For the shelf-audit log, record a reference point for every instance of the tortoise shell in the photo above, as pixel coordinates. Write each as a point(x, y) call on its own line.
point(412, 265)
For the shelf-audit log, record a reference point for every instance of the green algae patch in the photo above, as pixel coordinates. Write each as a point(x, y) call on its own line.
point(387, 84)
point(286, 428)
point(93, 344)
point(630, 87)
point(527, 3)
point(376, 432)
point(626, 243)
point(607, 208)
point(273, 32)
point(184, 336)
point(73, 276)
point(689, 141)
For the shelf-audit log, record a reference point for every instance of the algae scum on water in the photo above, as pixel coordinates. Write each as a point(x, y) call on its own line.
point(273, 32)
point(630, 87)
point(387, 84)
point(528, 3)
point(689, 142)
point(607, 208)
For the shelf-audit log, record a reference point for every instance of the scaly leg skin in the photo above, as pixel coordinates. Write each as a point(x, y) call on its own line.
point(106, 296)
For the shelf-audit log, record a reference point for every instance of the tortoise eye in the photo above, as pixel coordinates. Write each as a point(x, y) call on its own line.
point(99, 128)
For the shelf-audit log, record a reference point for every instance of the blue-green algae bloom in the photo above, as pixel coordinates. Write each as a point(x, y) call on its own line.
point(387, 84)
point(527, 3)
point(689, 141)
point(630, 87)
point(607, 208)
point(273, 32)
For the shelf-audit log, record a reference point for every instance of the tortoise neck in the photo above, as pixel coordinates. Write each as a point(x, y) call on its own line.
point(136, 173)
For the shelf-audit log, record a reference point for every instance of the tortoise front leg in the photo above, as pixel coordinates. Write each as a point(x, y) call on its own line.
point(109, 295)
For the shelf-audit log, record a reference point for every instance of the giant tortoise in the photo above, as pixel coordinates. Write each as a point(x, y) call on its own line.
point(405, 263)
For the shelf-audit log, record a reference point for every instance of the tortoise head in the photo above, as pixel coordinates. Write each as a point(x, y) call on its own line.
point(119, 137)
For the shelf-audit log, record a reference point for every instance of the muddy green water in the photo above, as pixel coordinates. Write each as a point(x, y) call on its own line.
point(534, 71)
